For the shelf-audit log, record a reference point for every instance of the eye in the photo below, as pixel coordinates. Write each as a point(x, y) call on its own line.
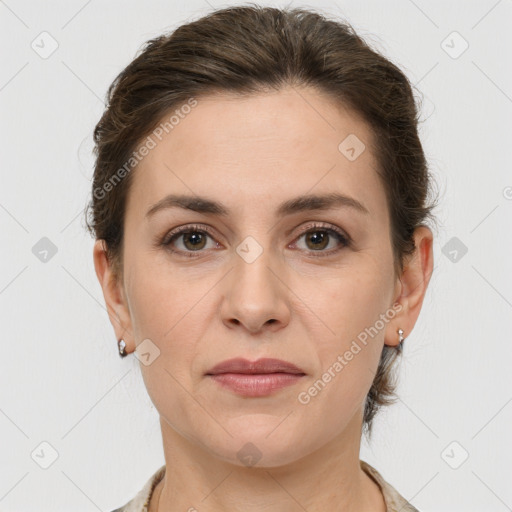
point(319, 236)
point(193, 239)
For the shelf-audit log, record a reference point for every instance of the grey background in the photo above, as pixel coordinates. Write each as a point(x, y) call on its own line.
point(62, 381)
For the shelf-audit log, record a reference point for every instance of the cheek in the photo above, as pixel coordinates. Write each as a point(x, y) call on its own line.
point(163, 311)
point(355, 309)
point(158, 301)
point(168, 307)
point(348, 359)
point(353, 302)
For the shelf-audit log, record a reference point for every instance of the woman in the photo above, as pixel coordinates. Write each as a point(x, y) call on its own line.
point(259, 207)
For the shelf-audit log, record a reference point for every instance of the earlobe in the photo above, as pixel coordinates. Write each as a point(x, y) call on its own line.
point(116, 306)
point(413, 283)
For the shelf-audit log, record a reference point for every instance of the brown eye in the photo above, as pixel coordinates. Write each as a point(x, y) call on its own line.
point(187, 240)
point(194, 240)
point(318, 239)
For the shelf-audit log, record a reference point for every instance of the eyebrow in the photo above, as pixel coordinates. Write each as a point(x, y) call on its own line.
point(298, 204)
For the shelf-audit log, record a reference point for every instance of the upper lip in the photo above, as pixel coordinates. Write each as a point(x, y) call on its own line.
point(264, 365)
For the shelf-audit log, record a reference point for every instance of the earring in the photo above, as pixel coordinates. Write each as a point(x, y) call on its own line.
point(401, 339)
point(122, 345)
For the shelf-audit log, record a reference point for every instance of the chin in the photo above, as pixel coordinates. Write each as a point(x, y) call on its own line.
point(258, 453)
point(256, 442)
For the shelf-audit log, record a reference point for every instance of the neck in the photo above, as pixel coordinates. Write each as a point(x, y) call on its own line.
point(329, 478)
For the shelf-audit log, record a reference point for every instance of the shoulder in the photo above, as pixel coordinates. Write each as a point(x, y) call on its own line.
point(393, 499)
point(141, 500)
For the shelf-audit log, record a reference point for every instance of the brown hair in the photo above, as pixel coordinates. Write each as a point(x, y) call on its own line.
point(249, 49)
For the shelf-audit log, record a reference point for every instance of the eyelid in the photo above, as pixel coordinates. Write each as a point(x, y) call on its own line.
point(180, 230)
point(325, 226)
point(346, 240)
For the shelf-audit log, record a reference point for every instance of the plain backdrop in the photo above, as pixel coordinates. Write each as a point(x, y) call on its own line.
point(77, 428)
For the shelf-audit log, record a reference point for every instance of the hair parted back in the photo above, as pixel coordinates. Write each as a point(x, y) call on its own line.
point(249, 49)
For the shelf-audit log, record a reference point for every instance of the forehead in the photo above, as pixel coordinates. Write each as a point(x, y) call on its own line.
point(260, 147)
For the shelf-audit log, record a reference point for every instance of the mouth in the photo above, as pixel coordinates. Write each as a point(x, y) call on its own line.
point(255, 378)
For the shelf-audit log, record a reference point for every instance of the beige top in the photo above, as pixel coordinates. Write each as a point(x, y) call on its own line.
point(394, 501)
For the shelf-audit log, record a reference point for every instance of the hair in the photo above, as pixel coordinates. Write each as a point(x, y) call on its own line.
point(247, 50)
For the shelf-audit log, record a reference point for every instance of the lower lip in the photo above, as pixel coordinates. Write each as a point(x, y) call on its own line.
point(260, 384)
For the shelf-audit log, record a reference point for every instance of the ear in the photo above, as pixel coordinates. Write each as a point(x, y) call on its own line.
point(113, 292)
point(412, 285)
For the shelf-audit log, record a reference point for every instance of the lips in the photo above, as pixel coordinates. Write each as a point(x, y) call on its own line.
point(252, 379)
point(261, 366)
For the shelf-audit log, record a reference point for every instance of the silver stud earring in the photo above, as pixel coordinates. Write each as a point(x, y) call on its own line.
point(122, 345)
point(401, 339)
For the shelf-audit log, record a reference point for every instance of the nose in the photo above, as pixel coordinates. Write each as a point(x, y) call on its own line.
point(255, 295)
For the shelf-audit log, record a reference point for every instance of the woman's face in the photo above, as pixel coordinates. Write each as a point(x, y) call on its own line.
point(260, 273)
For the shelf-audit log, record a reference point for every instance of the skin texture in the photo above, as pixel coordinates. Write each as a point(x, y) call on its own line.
point(252, 154)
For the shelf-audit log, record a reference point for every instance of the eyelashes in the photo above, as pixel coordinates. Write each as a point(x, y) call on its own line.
point(200, 233)
point(170, 238)
point(329, 232)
